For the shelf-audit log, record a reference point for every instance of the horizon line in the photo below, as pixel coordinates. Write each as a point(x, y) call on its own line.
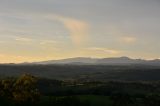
point(80, 57)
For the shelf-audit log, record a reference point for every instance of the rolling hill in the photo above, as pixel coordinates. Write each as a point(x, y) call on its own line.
point(101, 61)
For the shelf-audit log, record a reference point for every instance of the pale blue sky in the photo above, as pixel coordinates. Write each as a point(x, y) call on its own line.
point(35, 30)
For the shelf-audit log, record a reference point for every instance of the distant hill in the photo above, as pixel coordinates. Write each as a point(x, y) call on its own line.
point(101, 61)
point(77, 60)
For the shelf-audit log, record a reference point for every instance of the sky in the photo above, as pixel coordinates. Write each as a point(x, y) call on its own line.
point(37, 30)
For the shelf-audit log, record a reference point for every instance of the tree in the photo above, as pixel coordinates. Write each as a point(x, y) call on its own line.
point(25, 89)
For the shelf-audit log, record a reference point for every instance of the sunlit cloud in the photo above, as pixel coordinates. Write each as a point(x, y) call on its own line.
point(78, 29)
point(120, 35)
point(128, 39)
point(104, 50)
point(23, 39)
point(49, 45)
point(47, 42)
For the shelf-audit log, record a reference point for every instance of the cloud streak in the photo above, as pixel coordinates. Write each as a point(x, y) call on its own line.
point(104, 50)
point(128, 39)
point(47, 42)
point(23, 39)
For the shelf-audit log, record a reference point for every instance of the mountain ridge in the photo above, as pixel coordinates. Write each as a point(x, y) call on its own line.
point(104, 61)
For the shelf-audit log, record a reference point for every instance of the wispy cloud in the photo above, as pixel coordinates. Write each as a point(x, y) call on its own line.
point(23, 39)
point(120, 35)
point(78, 29)
point(104, 50)
point(128, 39)
point(47, 42)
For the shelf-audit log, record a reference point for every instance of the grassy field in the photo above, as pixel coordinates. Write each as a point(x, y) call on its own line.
point(96, 100)
point(91, 100)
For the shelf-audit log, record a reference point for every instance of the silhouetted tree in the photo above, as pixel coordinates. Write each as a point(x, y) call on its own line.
point(25, 89)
